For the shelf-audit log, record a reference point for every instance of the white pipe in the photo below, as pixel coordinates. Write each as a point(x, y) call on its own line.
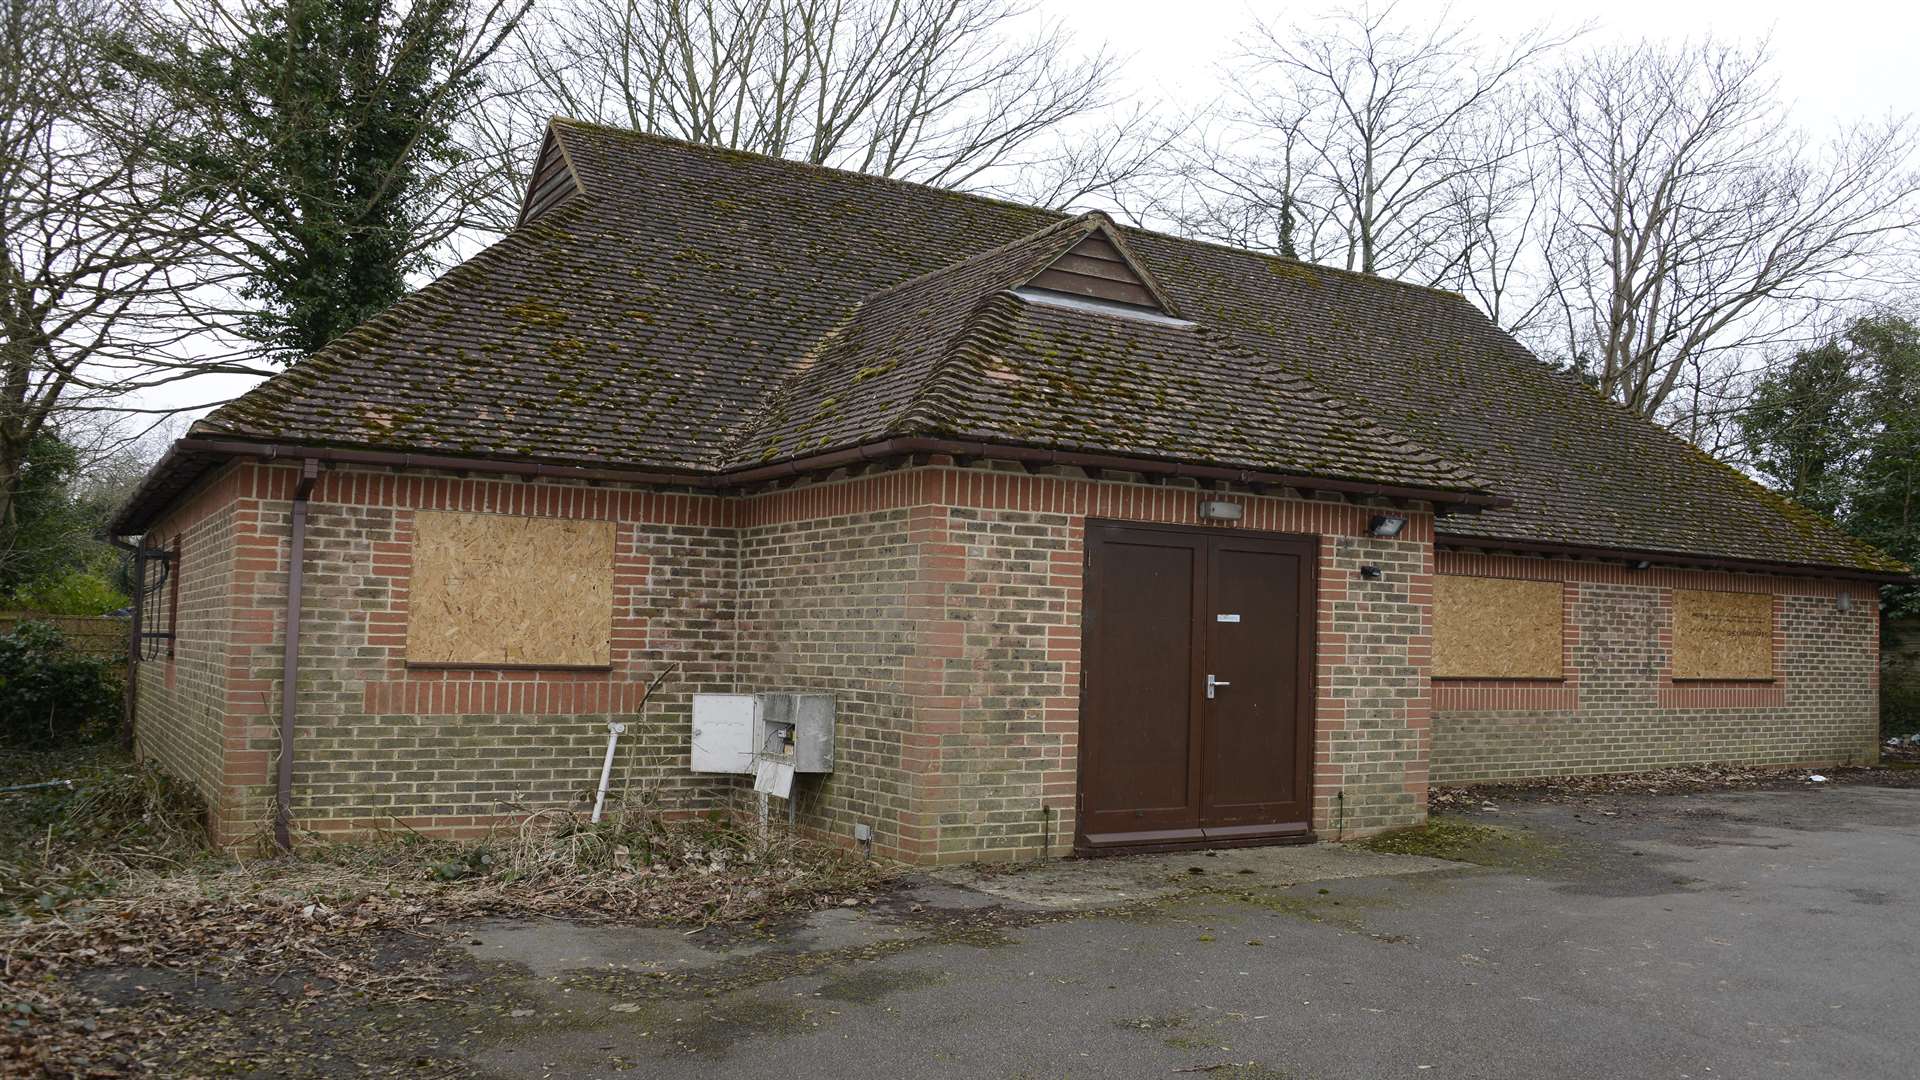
point(614, 731)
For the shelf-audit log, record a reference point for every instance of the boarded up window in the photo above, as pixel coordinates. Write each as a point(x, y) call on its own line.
point(1496, 628)
point(510, 591)
point(1722, 635)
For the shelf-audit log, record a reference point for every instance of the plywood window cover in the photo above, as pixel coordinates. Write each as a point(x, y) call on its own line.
point(505, 591)
point(1721, 637)
point(1499, 630)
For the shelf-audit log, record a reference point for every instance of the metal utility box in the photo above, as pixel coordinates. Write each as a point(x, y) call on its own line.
point(733, 732)
point(723, 733)
point(796, 729)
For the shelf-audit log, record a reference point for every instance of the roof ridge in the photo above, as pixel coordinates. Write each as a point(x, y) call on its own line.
point(979, 328)
point(894, 181)
point(785, 386)
point(809, 166)
point(1064, 225)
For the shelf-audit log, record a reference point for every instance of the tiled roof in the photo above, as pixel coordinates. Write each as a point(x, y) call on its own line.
point(694, 309)
point(959, 353)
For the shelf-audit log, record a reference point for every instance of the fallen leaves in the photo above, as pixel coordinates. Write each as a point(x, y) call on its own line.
point(1681, 779)
point(324, 912)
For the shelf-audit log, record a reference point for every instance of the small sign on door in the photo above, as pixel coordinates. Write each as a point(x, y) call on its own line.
point(1226, 618)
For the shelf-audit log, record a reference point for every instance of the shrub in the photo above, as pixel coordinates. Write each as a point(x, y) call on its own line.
point(62, 845)
point(73, 592)
point(1899, 710)
point(51, 695)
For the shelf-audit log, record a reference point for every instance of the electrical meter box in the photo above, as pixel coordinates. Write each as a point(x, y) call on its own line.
point(796, 729)
point(734, 732)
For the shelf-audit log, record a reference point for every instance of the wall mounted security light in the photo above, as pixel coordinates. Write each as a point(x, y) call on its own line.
point(1221, 510)
point(1386, 526)
point(1642, 564)
point(1370, 572)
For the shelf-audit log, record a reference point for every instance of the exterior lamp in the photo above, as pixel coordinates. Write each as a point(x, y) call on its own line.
point(1221, 510)
point(1386, 526)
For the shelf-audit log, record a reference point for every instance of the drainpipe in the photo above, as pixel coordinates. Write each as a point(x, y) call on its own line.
point(290, 665)
point(131, 705)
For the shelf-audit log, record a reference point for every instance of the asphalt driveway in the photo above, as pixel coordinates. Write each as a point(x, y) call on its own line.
point(1723, 935)
point(1738, 934)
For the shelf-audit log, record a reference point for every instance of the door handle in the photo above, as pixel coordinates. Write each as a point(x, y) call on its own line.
point(1213, 684)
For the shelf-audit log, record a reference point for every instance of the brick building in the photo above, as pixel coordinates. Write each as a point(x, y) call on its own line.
point(1100, 539)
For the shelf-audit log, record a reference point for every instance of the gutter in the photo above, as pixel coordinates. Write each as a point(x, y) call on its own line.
point(1036, 456)
point(290, 663)
point(1450, 500)
point(1670, 558)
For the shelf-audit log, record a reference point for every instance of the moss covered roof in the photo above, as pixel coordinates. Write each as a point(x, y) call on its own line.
point(699, 310)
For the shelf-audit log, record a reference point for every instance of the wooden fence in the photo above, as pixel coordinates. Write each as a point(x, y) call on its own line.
point(102, 635)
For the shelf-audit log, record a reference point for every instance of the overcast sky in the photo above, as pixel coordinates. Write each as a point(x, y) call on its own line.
point(1837, 61)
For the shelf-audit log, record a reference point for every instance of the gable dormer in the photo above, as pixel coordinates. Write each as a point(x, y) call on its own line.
point(1101, 269)
point(553, 181)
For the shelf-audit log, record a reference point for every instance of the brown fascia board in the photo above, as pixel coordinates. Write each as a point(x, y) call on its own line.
point(1683, 560)
point(156, 493)
point(138, 513)
point(1040, 457)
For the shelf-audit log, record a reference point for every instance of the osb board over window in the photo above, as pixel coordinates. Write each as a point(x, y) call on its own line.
point(1722, 635)
point(500, 591)
point(1496, 628)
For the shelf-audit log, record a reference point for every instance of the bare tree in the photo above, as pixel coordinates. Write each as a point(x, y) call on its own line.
point(935, 91)
point(1356, 132)
point(108, 283)
point(1497, 214)
point(1696, 224)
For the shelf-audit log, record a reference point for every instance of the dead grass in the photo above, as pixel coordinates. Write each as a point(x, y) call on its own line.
point(114, 874)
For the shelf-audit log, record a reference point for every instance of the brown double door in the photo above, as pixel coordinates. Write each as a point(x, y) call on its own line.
point(1196, 676)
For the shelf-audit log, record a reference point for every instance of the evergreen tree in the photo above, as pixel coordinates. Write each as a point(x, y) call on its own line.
point(1838, 429)
point(326, 128)
point(1801, 426)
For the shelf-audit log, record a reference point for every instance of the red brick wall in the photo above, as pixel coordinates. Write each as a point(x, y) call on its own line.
point(379, 744)
point(1619, 708)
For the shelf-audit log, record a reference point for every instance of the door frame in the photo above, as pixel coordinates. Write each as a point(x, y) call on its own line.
point(1306, 691)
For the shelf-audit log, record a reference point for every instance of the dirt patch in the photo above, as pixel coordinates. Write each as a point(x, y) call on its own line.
point(1457, 840)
